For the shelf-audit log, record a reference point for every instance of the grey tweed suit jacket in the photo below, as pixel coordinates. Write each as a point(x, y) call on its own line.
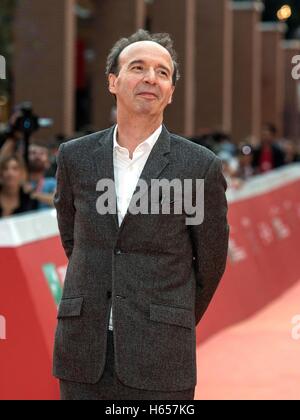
point(158, 273)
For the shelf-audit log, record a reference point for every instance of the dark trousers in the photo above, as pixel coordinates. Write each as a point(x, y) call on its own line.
point(110, 388)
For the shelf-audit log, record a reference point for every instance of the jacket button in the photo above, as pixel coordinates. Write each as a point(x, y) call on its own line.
point(118, 252)
point(120, 297)
point(109, 294)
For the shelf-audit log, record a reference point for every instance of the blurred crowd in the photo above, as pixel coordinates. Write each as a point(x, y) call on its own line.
point(251, 157)
point(27, 174)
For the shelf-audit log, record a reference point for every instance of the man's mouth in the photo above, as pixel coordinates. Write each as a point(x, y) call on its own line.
point(149, 95)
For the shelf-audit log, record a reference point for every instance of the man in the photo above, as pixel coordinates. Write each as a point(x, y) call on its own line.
point(136, 284)
point(268, 155)
point(41, 187)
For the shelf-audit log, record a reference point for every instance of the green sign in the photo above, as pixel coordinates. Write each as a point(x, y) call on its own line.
point(53, 281)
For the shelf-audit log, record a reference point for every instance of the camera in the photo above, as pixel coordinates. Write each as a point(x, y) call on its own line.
point(28, 122)
point(24, 122)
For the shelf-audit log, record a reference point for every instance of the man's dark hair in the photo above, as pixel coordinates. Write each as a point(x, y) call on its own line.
point(163, 39)
point(219, 136)
point(271, 128)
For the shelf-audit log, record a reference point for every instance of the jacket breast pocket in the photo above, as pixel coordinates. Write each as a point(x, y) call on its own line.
point(69, 308)
point(171, 315)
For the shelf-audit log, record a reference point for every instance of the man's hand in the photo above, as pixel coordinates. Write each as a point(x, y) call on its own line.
point(28, 188)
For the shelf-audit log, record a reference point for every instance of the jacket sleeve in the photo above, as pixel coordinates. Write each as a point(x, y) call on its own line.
point(64, 204)
point(210, 239)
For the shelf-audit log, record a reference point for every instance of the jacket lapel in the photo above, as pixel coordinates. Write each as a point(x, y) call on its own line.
point(156, 163)
point(103, 157)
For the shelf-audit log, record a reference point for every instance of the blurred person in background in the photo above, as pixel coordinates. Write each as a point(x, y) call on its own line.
point(291, 152)
point(245, 158)
point(41, 182)
point(268, 155)
point(221, 142)
point(13, 198)
point(53, 151)
point(41, 188)
point(203, 139)
point(230, 167)
point(12, 141)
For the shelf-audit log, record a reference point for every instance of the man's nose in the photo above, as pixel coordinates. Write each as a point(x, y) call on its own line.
point(150, 76)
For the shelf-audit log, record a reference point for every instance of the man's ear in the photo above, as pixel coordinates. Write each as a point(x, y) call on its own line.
point(112, 83)
point(171, 96)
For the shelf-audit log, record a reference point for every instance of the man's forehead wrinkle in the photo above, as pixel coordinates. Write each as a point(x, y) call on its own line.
point(142, 61)
point(141, 48)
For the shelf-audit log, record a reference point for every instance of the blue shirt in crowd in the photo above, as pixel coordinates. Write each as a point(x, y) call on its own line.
point(46, 186)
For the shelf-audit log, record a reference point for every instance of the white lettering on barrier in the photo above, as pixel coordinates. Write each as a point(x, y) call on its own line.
point(296, 327)
point(2, 67)
point(2, 328)
point(296, 69)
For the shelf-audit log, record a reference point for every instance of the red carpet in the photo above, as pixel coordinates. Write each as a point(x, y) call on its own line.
point(256, 359)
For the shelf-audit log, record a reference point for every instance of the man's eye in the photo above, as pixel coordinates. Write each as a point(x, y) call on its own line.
point(163, 73)
point(139, 68)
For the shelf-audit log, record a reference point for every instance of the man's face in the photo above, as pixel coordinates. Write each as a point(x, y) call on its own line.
point(144, 84)
point(38, 158)
point(267, 136)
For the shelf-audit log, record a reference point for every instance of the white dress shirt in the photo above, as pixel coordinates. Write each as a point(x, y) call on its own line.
point(127, 174)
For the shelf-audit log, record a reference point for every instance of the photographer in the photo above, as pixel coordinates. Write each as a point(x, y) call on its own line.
point(23, 124)
point(13, 138)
